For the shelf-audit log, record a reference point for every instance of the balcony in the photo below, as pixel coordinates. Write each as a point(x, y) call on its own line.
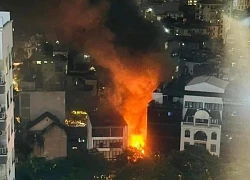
point(199, 124)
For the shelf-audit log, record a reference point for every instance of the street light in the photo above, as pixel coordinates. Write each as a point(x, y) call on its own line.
point(149, 10)
point(166, 30)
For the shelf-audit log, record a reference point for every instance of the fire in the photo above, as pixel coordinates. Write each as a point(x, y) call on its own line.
point(134, 74)
point(138, 142)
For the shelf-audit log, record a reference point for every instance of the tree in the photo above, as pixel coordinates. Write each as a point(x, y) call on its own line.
point(150, 167)
point(195, 163)
point(85, 166)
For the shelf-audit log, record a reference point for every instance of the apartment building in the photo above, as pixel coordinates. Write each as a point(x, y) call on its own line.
point(202, 113)
point(217, 13)
point(7, 154)
point(108, 134)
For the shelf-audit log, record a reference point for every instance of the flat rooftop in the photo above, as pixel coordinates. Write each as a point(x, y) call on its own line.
point(107, 120)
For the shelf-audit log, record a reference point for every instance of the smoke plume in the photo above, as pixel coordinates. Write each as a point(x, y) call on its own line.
point(120, 40)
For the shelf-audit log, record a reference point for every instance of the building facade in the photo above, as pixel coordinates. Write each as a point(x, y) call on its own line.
point(107, 134)
point(7, 154)
point(33, 104)
point(218, 13)
point(47, 136)
point(202, 113)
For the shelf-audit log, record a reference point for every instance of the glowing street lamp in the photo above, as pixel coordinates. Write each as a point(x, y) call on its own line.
point(166, 30)
point(149, 10)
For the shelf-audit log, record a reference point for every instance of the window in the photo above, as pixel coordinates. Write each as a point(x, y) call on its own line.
point(200, 135)
point(9, 133)
point(201, 121)
point(186, 144)
point(214, 136)
point(213, 148)
point(8, 100)
point(10, 64)
point(38, 62)
point(214, 121)
point(45, 62)
point(193, 105)
point(116, 132)
point(213, 106)
point(187, 133)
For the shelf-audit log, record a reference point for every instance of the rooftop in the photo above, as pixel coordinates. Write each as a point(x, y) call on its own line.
point(209, 80)
point(106, 120)
point(55, 120)
point(4, 18)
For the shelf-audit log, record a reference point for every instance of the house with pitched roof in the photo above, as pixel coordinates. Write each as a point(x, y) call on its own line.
point(47, 137)
point(202, 113)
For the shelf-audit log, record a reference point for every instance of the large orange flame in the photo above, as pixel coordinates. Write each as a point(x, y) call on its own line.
point(134, 75)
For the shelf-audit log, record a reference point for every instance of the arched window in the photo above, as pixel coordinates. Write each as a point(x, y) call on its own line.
point(200, 135)
point(214, 136)
point(187, 133)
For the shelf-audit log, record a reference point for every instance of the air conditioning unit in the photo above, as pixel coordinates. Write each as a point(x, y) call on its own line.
point(1, 80)
point(2, 115)
point(2, 133)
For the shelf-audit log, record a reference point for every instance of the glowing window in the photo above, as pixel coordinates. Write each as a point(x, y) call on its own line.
point(45, 62)
point(38, 62)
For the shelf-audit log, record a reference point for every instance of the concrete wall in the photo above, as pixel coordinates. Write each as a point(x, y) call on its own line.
point(40, 102)
point(55, 144)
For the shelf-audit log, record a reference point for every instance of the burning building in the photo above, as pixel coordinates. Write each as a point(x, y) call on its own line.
point(122, 42)
point(108, 134)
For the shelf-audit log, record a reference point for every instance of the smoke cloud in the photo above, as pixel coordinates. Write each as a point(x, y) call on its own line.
point(120, 40)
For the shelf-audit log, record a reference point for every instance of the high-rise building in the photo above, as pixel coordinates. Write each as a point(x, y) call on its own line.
point(7, 153)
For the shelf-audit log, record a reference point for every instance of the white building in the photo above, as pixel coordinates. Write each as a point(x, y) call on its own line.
point(202, 113)
point(7, 154)
point(107, 134)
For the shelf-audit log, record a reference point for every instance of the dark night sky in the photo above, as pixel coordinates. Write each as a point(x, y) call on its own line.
point(28, 15)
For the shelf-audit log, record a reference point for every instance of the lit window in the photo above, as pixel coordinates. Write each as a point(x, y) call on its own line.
point(74, 147)
point(38, 62)
point(52, 62)
point(45, 62)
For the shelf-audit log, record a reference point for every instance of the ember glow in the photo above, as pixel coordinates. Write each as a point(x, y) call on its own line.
point(134, 75)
